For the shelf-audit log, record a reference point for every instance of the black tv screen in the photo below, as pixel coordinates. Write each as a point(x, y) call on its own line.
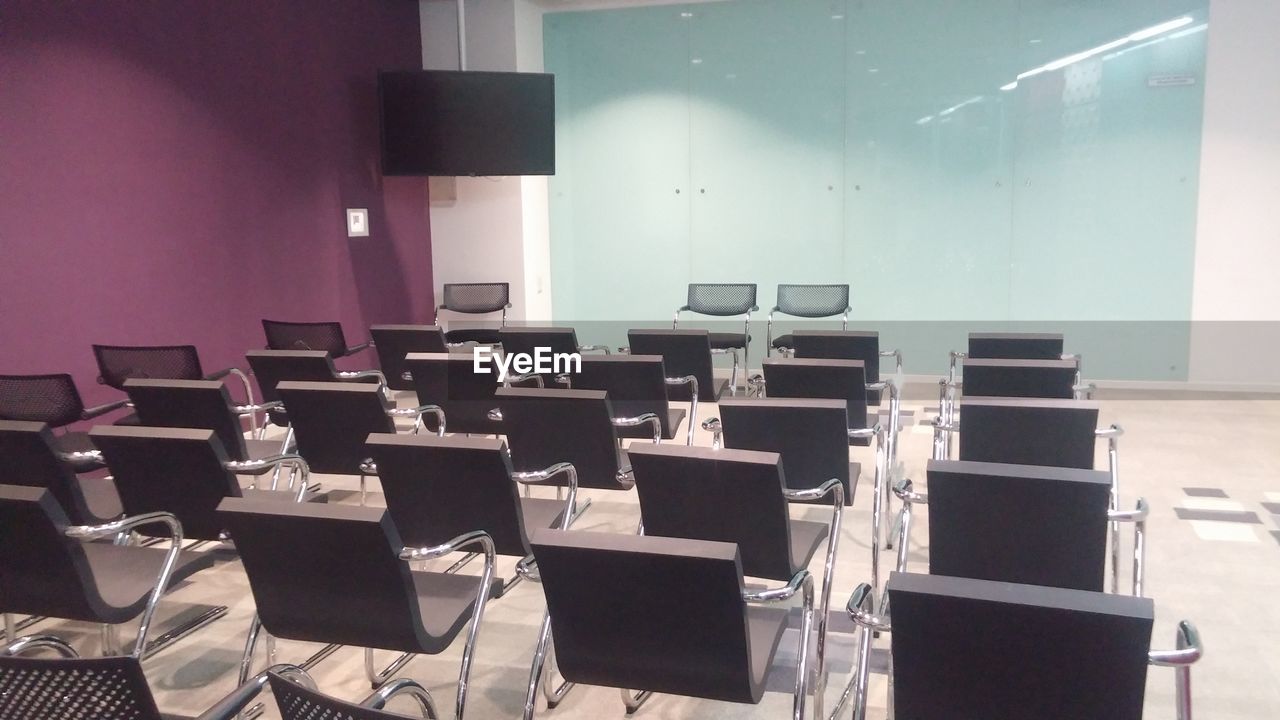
point(467, 123)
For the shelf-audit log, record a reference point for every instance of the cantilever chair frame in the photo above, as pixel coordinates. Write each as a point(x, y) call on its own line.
point(868, 620)
point(507, 306)
point(746, 338)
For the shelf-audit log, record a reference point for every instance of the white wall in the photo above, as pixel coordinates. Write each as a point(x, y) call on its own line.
point(1236, 292)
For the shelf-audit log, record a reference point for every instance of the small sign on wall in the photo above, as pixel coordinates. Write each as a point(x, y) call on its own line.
point(1179, 80)
point(357, 222)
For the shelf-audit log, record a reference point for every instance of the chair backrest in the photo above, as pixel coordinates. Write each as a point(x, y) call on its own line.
point(393, 342)
point(1018, 523)
point(28, 457)
point(674, 605)
point(197, 404)
point(331, 422)
point(965, 648)
point(1016, 346)
point(476, 298)
point(175, 470)
point(42, 572)
point(271, 367)
point(814, 378)
point(325, 572)
point(1059, 433)
point(323, 336)
point(842, 345)
point(732, 496)
point(545, 427)
point(297, 702)
point(101, 688)
point(636, 384)
point(450, 381)
point(118, 363)
point(683, 352)
point(812, 436)
point(51, 399)
point(813, 301)
point(528, 340)
point(721, 299)
point(1020, 378)
point(438, 488)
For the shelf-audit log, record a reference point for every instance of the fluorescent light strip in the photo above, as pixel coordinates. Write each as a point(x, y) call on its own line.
point(1138, 36)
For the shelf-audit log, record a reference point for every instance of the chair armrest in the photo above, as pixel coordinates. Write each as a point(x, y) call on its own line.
point(675, 320)
point(1111, 433)
point(1190, 648)
point(638, 420)
point(475, 537)
point(527, 568)
point(294, 461)
point(257, 407)
point(526, 377)
point(904, 492)
point(93, 412)
point(359, 348)
point(495, 414)
point(417, 412)
point(219, 374)
point(32, 643)
point(800, 581)
point(830, 487)
point(1137, 516)
point(402, 687)
point(349, 375)
point(76, 456)
point(230, 706)
point(624, 350)
point(859, 609)
point(716, 428)
point(874, 431)
point(594, 348)
point(535, 477)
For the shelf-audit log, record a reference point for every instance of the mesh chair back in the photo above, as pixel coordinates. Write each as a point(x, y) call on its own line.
point(1057, 433)
point(326, 572)
point(196, 404)
point(476, 298)
point(42, 572)
point(1020, 378)
point(28, 457)
point(1016, 346)
point(117, 363)
point(106, 688)
point(323, 336)
point(636, 384)
point(843, 345)
point(545, 427)
point(730, 496)
point(438, 488)
point(51, 399)
point(675, 606)
point(451, 382)
point(812, 436)
point(831, 379)
point(393, 342)
point(1018, 523)
point(173, 470)
point(967, 648)
point(301, 703)
point(331, 422)
point(721, 298)
point(683, 352)
point(813, 301)
point(271, 367)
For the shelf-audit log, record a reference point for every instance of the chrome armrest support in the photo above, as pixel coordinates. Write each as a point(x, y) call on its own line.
point(103, 409)
point(403, 687)
point(31, 643)
point(359, 348)
point(475, 537)
point(651, 418)
point(361, 375)
point(955, 358)
point(76, 456)
point(904, 492)
point(756, 384)
point(594, 348)
point(675, 319)
point(1189, 651)
point(625, 476)
point(1137, 516)
point(527, 568)
point(692, 382)
point(768, 333)
point(284, 460)
point(494, 414)
point(859, 610)
point(800, 581)
point(903, 489)
point(116, 527)
point(526, 377)
point(624, 349)
point(875, 431)
point(1110, 433)
point(844, 319)
point(897, 358)
point(716, 429)
point(566, 379)
point(830, 487)
point(417, 412)
point(253, 408)
point(231, 705)
point(535, 477)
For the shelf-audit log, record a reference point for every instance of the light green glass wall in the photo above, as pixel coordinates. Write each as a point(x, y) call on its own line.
point(871, 142)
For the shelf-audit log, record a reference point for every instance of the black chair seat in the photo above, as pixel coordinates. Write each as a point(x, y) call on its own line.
point(125, 576)
point(675, 416)
point(101, 499)
point(539, 513)
point(806, 538)
point(78, 442)
point(283, 495)
point(765, 626)
point(785, 341)
point(444, 601)
point(725, 341)
point(484, 336)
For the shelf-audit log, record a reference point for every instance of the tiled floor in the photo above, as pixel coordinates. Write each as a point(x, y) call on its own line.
point(1206, 458)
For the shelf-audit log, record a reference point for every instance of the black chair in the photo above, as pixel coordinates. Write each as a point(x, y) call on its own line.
point(740, 496)
point(331, 422)
point(202, 404)
point(30, 456)
point(54, 400)
point(677, 606)
point(685, 354)
point(723, 300)
point(119, 363)
point(546, 427)
point(636, 385)
point(115, 688)
point(834, 380)
point(476, 299)
point(352, 584)
point(271, 367)
point(807, 301)
point(393, 342)
point(847, 345)
point(451, 383)
point(550, 341)
point(965, 648)
point(323, 336)
point(49, 567)
point(1015, 346)
point(1050, 379)
point(437, 488)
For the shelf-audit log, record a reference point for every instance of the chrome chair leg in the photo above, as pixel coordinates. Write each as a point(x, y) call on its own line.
point(633, 702)
point(543, 662)
point(379, 678)
point(110, 640)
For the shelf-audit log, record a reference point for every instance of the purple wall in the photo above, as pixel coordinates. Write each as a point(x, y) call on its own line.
point(172, 172)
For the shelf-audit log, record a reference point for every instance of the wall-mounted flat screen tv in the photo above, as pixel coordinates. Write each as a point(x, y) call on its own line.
point(450, 123)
